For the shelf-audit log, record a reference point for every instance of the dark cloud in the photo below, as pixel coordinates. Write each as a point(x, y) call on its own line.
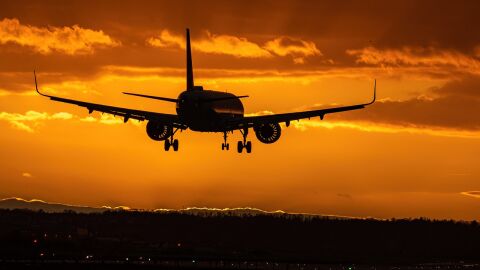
point(468, 87)
point(16, 81)
point(334, 26)
point(455, 105)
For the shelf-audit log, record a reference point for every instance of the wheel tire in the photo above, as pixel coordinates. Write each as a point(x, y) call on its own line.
point(228, 146)
point(167, 145)
point(248, 147)
point(175, 145)
point(239, 146)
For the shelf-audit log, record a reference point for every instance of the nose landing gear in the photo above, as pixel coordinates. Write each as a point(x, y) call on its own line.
point(244, 144)
point(225, 145)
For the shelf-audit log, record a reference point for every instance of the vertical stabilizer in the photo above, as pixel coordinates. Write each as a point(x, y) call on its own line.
point(190, 84)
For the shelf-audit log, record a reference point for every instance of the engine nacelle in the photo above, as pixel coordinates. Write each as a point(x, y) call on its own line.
point(268, 133)
point(158, 131)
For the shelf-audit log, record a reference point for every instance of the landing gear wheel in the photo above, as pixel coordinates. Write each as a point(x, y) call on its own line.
point(175, 145)
point(239, 146)
point(170, 142)
point(244, 144)
point(167, 145)
point(248, 147)
point(225, 145)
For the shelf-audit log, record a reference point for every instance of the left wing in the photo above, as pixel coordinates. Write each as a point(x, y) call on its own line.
point(250, 121)
point(126, 113)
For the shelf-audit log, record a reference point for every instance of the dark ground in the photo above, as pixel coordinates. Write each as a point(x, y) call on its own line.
point(148, 240)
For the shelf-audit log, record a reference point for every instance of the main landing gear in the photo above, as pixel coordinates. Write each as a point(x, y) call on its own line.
point(244, 144)
point(241, 144)
point(225, 145)
point(171, 142)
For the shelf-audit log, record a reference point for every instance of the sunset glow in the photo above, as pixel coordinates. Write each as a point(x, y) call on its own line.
point(413, 153)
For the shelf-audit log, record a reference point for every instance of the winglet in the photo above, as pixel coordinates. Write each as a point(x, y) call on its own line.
point(374, 93)
point(36, 86)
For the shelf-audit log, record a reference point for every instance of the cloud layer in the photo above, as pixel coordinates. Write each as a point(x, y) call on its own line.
point(297, 48)
point(27, 121)
point(416, 56)
point(456, 105)
point(240, 46)
point(215, 44)
point(474, 194)
point(31, 119)
point(45, 40)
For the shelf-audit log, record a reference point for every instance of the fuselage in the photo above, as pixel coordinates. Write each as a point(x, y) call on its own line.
point(208, 110)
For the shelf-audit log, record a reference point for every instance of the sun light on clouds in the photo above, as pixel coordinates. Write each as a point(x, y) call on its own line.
point(31, 119)
point(166, 39)
point(416, 56)
point(231, 45)
point(474, 194)
point(371, 126)
point(27, 175)
point(297, 48)
point(45, 40)
point(214, 44)
point(108, 120)
point(240, 46)
point(304, 125)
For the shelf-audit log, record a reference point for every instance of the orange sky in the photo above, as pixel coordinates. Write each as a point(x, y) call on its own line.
point(414, 153)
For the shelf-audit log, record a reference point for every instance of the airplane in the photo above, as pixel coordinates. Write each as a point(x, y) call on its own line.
point(206, 111)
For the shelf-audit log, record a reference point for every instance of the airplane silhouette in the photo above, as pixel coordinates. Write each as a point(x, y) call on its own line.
point(207, 111)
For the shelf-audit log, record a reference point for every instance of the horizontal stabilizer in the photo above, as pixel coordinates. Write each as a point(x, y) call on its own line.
point(222, 98)
point(152, 97)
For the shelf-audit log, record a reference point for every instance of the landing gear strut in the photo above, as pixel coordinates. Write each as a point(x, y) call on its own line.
point(171, 142)
point(244, 144)
point(225, 145)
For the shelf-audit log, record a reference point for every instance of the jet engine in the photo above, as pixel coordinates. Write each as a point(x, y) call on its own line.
point(158, 131)
point(268, 133)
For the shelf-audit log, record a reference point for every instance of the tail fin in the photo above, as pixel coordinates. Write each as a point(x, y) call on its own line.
point(190, 84)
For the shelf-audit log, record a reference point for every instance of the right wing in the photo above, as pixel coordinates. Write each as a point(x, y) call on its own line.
point(126, 113)
point(251, 121)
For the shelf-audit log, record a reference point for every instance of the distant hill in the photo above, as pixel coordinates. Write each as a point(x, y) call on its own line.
point(18, 203)
point(35, 205)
